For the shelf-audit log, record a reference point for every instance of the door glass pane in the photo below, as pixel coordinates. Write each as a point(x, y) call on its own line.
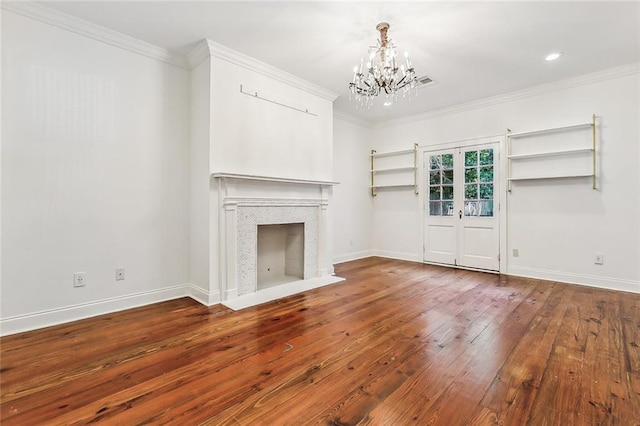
point(441, 185)
point(471, 192)
point(470, 208)
point(434, 208)
point(447, 177)
point(470, 175)
point(471, 158)
point(447, 161)
point(434, 162)
point(486, 157)
point(447, 192)
point(447, 208)
point(486, 174)
point(485, 208)
point(434, 193)
point(486, 191)
point(434, 178)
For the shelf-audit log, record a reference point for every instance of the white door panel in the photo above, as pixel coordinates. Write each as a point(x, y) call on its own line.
point(442, 247)
point(479, 244)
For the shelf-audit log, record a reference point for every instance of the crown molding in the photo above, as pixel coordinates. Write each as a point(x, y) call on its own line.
point(208, 48)
point(198, 54)
point(352, 119)
point(543, 89)
point(96, 32)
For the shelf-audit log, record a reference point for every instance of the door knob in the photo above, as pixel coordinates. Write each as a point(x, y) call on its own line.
point(460, 214)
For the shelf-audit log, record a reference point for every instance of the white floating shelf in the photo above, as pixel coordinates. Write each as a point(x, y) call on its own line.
point(552, 177)
point(553, 129)
point(394, 169)
point(391, 154)
point(551, 153)
point(407, 185)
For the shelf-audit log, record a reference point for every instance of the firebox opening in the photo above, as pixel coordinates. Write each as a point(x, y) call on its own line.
point(280, 254)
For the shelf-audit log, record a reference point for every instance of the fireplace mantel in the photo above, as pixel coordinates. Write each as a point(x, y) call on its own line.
point(271, 179)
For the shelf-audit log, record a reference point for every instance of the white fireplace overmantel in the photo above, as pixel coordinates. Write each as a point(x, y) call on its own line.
point(248, 201)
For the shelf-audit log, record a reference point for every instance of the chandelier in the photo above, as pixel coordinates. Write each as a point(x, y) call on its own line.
point(382, 73)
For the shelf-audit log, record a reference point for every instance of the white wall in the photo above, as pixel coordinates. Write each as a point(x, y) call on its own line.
point(558, 225)
point(95, 175)
point(351, 203)
point(201, 254)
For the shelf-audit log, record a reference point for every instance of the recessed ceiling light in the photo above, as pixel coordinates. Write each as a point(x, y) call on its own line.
point(387, 103)
point(552, 56)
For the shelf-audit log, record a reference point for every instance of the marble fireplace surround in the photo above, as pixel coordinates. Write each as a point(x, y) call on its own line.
point(274, 213)
point(247, 201)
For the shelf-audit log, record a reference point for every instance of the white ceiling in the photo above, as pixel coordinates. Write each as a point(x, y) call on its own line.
point(470, 49)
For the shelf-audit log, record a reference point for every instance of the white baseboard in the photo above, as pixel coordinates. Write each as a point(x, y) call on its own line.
point(352, 256)
point(572, 278)
point(27, 322)
point(325, 272)
point(202, 296)
point(231, 294)
point(411, 257)
point(50, 317)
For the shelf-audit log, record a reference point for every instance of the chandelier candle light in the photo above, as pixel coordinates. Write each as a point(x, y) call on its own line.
point(382, 73)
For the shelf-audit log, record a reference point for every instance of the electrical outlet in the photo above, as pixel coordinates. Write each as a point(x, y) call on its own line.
point(79, 279)
point(119, 274)
point(599, 259)
point(516, 253)
point(351, 242)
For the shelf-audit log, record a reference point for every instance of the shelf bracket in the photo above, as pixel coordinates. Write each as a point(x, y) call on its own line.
point(415, 168)
point(593, 129)
point(373, 188)
point(507, 142)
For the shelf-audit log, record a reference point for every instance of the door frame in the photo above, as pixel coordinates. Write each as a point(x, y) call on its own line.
point(501, 194)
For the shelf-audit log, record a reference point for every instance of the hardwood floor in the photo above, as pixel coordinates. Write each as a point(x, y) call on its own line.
point(397, 343)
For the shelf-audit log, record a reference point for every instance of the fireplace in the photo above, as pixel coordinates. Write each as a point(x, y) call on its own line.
point(273, 232)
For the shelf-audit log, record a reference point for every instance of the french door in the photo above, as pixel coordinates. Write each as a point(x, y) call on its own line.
point(461, 208)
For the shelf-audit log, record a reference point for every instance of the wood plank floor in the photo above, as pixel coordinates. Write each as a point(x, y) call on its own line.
point(397, 343)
